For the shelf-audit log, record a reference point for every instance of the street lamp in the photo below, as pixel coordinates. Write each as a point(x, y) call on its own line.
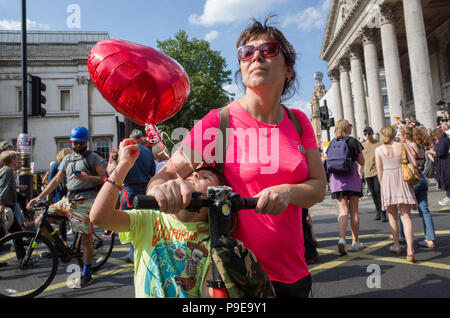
point(24, 140)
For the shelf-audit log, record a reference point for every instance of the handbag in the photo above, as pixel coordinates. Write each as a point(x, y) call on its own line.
point(6, 218)
point(409, 172)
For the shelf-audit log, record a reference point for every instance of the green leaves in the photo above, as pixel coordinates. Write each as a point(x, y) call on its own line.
point(207, 73)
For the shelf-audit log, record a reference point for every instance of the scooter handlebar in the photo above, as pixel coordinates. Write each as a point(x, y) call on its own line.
point(149, 202)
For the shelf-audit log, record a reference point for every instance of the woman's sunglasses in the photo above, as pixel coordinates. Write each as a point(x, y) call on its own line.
point(268, 49)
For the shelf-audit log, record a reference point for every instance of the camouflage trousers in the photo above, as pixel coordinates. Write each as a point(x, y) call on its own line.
point(240, 270)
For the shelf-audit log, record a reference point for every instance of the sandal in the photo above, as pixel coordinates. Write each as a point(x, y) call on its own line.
point(411, 259)
point(397, 251)
point(425, 244)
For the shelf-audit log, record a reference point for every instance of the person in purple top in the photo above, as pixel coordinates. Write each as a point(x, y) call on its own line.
point(346, 187)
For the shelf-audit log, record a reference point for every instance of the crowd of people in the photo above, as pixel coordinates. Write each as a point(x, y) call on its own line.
point(377, 162)
point(169, 247)
point(71, 185)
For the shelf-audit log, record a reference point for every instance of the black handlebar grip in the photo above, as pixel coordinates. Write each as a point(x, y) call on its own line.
point(250, 203)
point(141, 201)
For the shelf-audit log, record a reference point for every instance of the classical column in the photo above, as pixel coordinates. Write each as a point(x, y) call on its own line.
point(419, 63)
point(83, 99)
point(346, 92)
point(336, 103)
point(373, 79)
point(359, 97)
point(394, 82)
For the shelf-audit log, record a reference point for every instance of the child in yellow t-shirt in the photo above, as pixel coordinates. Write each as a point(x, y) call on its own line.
point(171, 250)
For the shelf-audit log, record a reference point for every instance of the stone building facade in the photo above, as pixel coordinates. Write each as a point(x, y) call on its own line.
point(408, 40)
point(60, 59)
point(319, 92)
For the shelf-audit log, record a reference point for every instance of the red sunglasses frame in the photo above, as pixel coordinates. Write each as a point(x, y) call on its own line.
point(261, 51)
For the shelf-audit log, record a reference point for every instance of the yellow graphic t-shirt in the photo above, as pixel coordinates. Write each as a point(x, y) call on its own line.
point(171, 257)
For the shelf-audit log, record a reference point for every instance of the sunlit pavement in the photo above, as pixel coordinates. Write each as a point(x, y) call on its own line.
point(372, 272)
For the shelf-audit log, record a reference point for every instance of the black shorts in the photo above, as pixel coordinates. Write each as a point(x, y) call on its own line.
point(299, 289)
point(340, 194)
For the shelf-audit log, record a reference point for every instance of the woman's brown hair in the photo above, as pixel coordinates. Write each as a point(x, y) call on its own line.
point(262, 30)
point(421, 137)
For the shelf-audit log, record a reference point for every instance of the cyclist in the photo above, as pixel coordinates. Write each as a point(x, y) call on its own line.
point(84, 170)
point(171, 250)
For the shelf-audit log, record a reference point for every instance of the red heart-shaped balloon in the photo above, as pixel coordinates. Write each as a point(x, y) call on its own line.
point(140, 82)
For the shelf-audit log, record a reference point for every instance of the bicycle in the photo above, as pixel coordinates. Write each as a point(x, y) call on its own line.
point(29, 260)
point(221, 201)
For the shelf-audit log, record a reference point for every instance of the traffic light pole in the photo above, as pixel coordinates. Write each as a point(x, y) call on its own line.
point(24, 70)
point(25, 176)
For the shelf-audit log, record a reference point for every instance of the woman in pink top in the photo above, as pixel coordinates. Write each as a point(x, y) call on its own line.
point(265, 158)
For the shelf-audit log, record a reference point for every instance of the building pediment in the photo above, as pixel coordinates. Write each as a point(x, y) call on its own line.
point(341, 13)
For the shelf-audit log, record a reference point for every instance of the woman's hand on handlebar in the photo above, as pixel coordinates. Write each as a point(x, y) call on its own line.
point(272, 200)
point(173, 195)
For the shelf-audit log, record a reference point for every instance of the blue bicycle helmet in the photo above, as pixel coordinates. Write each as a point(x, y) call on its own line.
point(79, 133)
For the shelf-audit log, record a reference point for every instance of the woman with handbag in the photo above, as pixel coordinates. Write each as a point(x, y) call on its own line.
point(396, 193)
point(417, 140)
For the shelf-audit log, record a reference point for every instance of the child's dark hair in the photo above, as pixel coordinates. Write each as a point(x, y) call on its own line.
point(220, 176)
point(222, 182)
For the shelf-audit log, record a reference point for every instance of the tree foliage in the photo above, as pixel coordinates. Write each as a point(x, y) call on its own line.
point(207, 73)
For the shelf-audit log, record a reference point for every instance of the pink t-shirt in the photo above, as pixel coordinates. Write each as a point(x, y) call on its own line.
point(258, 156)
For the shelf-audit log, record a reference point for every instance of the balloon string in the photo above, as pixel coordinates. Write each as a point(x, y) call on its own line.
point(188, 161)
point(155, 137)
point(125, 195)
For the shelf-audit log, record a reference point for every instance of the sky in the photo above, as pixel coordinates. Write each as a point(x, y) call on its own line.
point(218, 21)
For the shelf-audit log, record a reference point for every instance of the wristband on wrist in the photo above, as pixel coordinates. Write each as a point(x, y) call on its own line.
point(113, 183)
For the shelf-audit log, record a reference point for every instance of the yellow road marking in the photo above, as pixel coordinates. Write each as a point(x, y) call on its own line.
point(377, 235)
point(314, 270)
point(121, 249)
point(122, 268)
point(365, 253)
point(403, 261)
point(344, 259)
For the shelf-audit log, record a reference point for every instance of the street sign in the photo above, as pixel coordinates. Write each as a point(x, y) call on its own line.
point(24, 143)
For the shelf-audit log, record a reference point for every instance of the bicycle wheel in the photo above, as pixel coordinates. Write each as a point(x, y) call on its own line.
point(103, 242)
point(19, 279)
point(103, 246)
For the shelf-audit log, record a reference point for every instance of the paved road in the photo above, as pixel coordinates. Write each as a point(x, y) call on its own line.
point(348, 276)
point(333, 275)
